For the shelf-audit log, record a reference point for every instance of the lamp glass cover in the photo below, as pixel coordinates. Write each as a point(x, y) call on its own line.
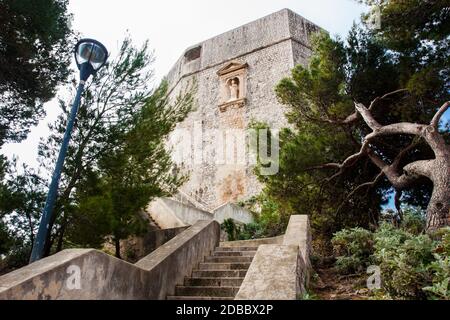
point(92, 53)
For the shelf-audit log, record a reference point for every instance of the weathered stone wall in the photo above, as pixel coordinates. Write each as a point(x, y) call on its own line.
point(269, 48)
point(170, 213)
point(91, 274)
point(232, 211)
point(280, 271)
point(136, 247)
point(275, 274)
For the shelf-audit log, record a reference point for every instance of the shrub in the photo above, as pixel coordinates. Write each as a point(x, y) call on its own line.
point(403, 259)
point(413, 266)
point(251, 231)
point(440, 268)
point(440, 288)
point(353, 248)
point(230, 228)
point(413, 220)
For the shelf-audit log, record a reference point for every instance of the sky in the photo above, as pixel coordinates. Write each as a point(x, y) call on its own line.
point(173, 25)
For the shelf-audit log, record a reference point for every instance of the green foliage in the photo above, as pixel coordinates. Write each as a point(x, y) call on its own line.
point(418, 30)
point(353, 249)
point(413, 220)
point(320, 100)
point(269, 218)
point(116, 161)
point(21, 197)
point(5, 239)
point(230, 228)
point(403, 259)
point(136, 170)
point(413, 266)
point(35, 52)
point(253, 230)
point(440, 267)
point(308, 296)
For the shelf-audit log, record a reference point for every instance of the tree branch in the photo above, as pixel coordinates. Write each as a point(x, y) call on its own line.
point(397, 203)
point(437, 117)
point(366, 184)
point(374, 102)
point(412, 171)
point(402, 153)
point(354, 116)
point(367, 116)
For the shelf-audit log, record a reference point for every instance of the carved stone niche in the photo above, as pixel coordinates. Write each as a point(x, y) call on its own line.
point(233, 85)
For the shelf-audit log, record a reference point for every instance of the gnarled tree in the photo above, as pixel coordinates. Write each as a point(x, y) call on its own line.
point(390, 141)
point(436, 169)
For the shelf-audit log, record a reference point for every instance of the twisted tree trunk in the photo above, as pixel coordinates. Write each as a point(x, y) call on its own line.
point(437, 169)
point(438, 211)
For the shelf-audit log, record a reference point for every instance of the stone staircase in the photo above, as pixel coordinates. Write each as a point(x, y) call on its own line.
point(219, 277)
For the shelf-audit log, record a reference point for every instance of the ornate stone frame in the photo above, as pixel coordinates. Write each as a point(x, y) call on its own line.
point(232, 70)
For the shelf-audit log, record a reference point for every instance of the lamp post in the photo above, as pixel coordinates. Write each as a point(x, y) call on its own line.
point(90, 56)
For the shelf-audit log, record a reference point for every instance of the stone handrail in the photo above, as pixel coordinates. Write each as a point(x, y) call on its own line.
point(92, 274)
point(171, 213)
point(253, 242)
point(195, 202)
point(280, 271)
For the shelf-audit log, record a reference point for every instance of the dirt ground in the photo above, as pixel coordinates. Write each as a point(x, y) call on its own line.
point(329, 285)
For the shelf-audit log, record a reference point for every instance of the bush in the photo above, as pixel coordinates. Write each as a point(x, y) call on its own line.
point(440, 268)
point(242, 232)
point(251, 231)
point(403, 259)
point(353, 248)
point(269, 219)
point(413, 266)
point(413, 220)
point(230, 228)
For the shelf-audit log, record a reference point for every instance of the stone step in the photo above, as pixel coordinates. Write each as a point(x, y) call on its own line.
point(236, 259)
point(198, 298)
point(219, 273)
point(206, 291)
point(216, 281)
point(223, 265)
point(234, 253)
point(236, 248)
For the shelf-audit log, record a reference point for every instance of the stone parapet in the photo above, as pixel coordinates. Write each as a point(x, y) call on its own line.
point(280, 271)
point(92, 274)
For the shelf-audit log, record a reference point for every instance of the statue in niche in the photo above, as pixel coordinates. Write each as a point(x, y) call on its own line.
point(233, 86)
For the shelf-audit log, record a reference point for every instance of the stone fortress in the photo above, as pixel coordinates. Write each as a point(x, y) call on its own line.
point(235, 74)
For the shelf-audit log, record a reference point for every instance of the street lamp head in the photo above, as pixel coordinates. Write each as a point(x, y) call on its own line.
point(90, 56)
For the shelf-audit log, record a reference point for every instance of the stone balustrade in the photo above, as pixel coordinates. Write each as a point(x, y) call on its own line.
point(280, 271)
point(92, 274)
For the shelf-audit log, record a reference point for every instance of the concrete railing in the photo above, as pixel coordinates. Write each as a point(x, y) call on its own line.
point(170, 213)
point(137, 247)
point(92, 274)
point(253, 242)
point(280, 271)
point(232, 211)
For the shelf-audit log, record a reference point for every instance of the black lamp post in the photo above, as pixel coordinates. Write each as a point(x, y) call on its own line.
point(90, 56)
